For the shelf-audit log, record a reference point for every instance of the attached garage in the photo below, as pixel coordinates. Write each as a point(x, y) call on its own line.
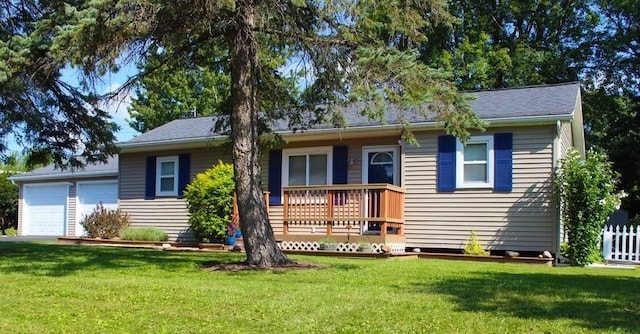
point(90, 194)
point(45, 209)
point(52, 202)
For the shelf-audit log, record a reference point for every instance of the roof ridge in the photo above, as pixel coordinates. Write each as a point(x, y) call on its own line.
point(520, 87)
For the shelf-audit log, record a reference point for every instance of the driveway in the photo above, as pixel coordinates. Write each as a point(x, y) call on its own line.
point(28, 238)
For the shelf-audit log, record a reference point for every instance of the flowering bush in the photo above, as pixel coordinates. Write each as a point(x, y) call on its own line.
point(104, 222)
point(586, 190)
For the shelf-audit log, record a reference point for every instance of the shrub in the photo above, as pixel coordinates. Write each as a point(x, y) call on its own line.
point(473, 246)
point(144, 234)
point(11, 232)
point(585, 188)
point(8, 203)
point(210, 202)
point(105, 223)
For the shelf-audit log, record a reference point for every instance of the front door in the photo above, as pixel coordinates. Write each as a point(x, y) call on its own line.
point(380, 165)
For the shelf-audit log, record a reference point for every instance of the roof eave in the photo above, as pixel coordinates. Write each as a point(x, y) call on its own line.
point(69, 175)
point(170, 144)
point(388, 129)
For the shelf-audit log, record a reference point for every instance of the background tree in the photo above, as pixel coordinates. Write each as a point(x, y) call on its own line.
point(12, 164)
point(346, 50)
point(50, 118)
point(177, 86)
point(8, 203)
point(497, 44)
point(612, 102)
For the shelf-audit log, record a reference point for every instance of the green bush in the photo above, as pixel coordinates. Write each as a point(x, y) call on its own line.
point(144, 234)
point(105, 223)
point(210, 203)
point(473, 246)
point(8, 203)
point(586, 189)
point(11, 232)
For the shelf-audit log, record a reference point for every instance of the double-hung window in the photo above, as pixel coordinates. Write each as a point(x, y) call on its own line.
point(307, 167)
point(167, 176)
point(474, 163)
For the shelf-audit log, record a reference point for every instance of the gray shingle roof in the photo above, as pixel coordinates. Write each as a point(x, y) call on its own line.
point(51, 172)
point(557, 100)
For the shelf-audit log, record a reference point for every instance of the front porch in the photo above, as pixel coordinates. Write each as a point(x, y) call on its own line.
point(348, 215)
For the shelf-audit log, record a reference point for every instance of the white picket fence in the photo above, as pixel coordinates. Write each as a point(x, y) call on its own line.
point(621, 243)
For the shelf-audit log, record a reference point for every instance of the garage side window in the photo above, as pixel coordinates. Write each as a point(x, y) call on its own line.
point(167, 176)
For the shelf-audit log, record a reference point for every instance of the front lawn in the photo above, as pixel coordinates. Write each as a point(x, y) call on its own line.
point(49, 288)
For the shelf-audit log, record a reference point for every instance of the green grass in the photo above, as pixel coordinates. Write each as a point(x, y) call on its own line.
point(49, 288)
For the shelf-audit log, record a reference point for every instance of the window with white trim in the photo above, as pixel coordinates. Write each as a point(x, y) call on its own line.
point(307, 167)
point(167, 176)
point(474, 163)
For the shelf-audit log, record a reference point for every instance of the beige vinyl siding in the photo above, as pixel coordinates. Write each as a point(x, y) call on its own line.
point(354, 176)
point(566, 139)
point(523, 219)
point(167, 213)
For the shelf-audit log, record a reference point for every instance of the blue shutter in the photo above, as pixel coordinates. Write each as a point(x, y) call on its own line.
point(446, 163)
point(150, 181)
point(340, 164)
point(503, 148)
point(340, 171)
point(275, 177)
point(184, 172)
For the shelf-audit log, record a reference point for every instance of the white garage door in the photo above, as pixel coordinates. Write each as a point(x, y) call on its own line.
point(90, 194)
point(45, 209)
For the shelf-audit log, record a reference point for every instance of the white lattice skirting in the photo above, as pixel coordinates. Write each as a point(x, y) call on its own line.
point(344, 247)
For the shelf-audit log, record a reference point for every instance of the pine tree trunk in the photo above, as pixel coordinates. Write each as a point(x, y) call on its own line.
point(259, 240)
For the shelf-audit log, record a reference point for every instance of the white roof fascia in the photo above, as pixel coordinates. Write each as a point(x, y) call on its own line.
point(69, 175)
point(550, 119)
point(167, 144)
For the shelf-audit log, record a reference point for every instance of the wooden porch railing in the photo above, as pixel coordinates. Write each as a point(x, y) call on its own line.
point(377, 205)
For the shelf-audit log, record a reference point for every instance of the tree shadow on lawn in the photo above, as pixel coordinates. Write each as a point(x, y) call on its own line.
point(60, 260)
point(596, 302)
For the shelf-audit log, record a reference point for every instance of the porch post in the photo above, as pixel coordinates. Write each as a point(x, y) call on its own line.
point(329, 214)
point(384, 206)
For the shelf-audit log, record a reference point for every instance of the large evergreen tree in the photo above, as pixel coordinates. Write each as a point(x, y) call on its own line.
point(48, 117)
point(344, 51)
